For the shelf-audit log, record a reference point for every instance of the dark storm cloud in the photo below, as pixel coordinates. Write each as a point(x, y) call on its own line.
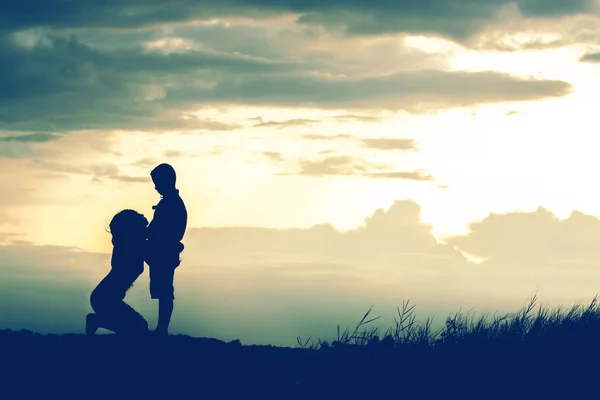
point(51, 81)
point(21, 14)
point(59, 83)
point(411, 91)
point(453, 18)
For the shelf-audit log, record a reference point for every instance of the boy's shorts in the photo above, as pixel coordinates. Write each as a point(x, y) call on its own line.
point(161, 282)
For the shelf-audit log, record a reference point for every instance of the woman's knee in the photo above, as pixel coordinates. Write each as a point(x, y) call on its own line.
point(102, 303)
point(95, 300)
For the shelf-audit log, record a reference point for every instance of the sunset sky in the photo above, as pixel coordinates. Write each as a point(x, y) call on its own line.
point(331, 154)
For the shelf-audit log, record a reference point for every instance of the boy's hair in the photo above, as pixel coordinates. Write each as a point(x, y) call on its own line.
point(165, 173)
point(127, 223)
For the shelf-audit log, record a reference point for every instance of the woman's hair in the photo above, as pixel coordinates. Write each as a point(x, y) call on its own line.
point(128, 225)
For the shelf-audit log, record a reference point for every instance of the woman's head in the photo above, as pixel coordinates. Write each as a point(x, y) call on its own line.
point(127, 226)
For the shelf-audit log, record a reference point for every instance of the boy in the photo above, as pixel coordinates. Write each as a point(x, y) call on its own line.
point(164, 234)
point(127, 264)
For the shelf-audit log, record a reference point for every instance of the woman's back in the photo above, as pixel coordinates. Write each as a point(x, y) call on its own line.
point(127, 260)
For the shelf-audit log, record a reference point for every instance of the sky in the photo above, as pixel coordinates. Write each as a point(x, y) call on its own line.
point(332, 155)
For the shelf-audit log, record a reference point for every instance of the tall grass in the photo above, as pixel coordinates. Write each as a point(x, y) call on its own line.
point(579, 325)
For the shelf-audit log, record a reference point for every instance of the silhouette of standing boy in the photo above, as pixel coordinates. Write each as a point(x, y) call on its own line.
point(164, 234)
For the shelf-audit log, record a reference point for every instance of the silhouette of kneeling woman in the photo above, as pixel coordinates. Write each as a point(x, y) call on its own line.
point(128, 229)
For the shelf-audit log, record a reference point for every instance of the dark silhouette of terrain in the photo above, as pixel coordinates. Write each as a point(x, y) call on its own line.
point(548, 354)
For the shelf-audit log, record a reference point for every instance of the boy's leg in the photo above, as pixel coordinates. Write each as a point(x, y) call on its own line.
point(161, 288)
point(165, 311)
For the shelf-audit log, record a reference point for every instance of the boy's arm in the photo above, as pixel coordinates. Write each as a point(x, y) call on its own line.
point(151, 229)
point(168, 225)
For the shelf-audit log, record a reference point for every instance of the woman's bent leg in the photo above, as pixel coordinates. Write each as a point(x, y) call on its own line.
point(132, 322)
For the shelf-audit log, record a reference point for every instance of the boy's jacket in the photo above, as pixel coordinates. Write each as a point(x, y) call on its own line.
point(166, 230)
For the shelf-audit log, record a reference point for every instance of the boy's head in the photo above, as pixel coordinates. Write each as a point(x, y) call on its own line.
point(164, 178)
point(127, 226)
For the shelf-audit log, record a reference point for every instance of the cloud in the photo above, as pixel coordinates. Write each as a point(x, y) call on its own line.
point(513, 32)
point(273, 155)
point(144, 79)
point(359, 118)
point(99, 172)
point(451, 18)
point(286, 124)
point(334, 165)
point(339, 136)
point(31, 138)
point(6, 218)
point(417, 91)
point(388, 235)
point(111, 171)
point(593, 57)
point(457, 20)
point(409, 175)
point(74, 86)
point(211, 125)
point(23, 145)
point(214, 282)
point(534, 238)
point(252, 283)
point(18, 187)
point(146, 162)
point(216, 151)
point(345, 165)
point(174, 153)
point(526, 252)
point(390, 144)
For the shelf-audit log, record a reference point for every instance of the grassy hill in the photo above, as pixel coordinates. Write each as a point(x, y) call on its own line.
point(529, 355)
